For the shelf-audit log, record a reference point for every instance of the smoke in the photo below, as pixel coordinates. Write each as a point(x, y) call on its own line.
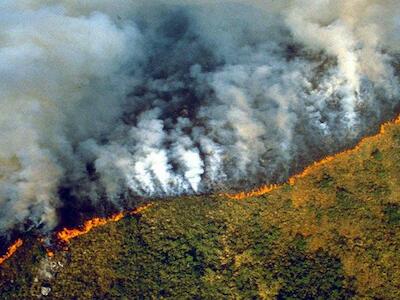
point(103, 102)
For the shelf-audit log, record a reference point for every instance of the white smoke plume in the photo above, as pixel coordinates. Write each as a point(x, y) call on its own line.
point(106, 101)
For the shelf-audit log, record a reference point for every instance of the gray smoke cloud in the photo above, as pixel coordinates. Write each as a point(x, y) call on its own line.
point(103, 101)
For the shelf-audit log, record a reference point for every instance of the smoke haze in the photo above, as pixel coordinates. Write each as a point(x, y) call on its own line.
point(105, 101)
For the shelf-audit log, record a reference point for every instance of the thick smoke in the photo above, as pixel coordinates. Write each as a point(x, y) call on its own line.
point(106, 101)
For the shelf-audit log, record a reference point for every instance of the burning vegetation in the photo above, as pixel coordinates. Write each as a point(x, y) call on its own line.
point(104, 105)
point(331, 232)
point(11, 250)
point(292, 180)
point(65, 235)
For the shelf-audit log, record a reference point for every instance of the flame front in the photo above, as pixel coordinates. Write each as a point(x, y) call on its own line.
point(65, 235)
point(11, 250)
point(265, 189)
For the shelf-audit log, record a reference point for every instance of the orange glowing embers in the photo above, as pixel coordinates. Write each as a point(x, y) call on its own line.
point(11, 250)
point(65, 235)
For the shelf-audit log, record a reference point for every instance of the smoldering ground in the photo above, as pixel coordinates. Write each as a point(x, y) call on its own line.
point(104, 102)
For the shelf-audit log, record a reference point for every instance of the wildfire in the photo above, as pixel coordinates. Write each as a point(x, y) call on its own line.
point(65, 235)
point(11, 250)
point(292, 180)
point(264, 189)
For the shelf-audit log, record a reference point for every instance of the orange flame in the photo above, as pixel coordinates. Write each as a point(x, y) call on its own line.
point(265, 189)
point(66, 234)
point(11, 250)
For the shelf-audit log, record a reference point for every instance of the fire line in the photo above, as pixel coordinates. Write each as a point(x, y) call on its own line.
point(11, 250)
point(265, 189)
point(67, 234)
